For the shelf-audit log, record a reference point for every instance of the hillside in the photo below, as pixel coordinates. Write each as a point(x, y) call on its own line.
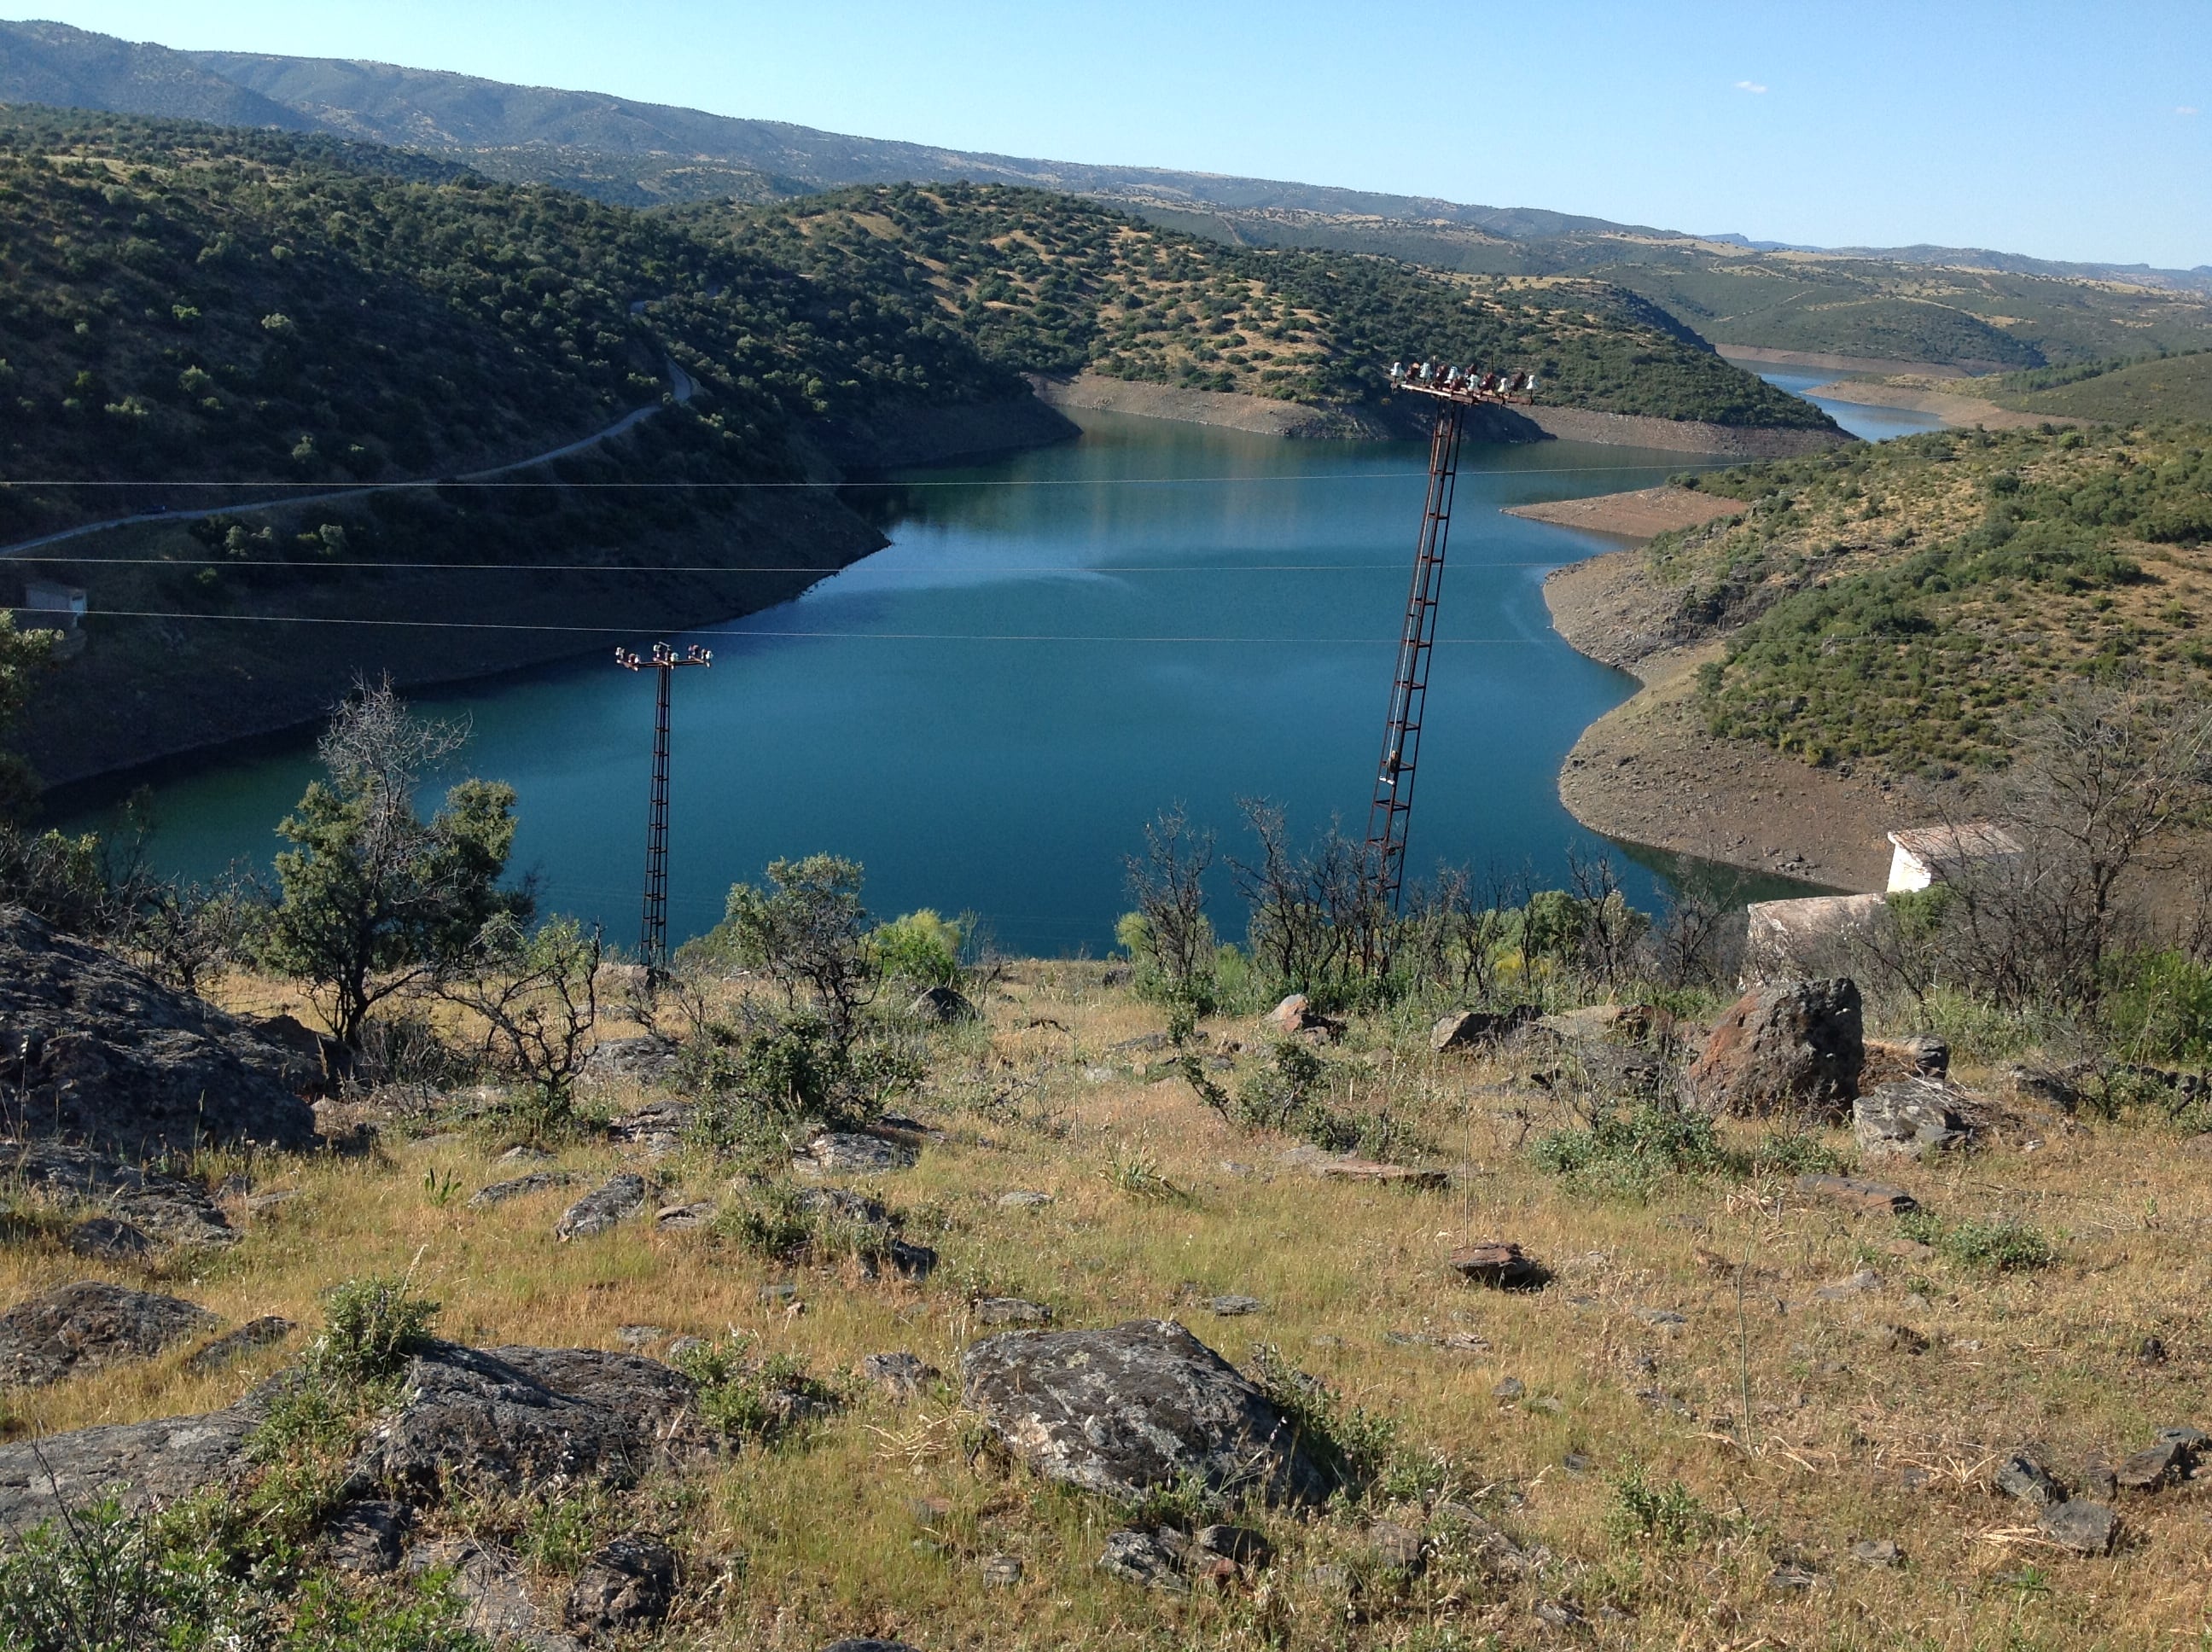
point(1051, 284)
point(1907, 605)
point(2128, 390)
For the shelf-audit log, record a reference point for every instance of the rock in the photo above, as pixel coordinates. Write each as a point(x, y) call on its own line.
point(1466, 1029)
point(778, 1291)
point(2041, 1087)
point(902, 1375)
point(95, 1051)
point(941, 1006)
point(685, 1346)
point(1023, 1198)
point(628, 1584)
point(1010, 1310)
point(635, 1336)
point(495, 1602)
point(1663, 1319)
point(161, 1462)
point(516, 1418)
point(1395, 1547)
point(1864, 1280)
point(76, 1328)
point(367, 1536)
point(166, 1208)
point(1507, 1388)
point(523, 1153)
point(1240, 1545)
point(1232, 1307)
point(909, 1260)
point(1143, 1405)
point(274, 1199)
point(1142, 1558)
point(249, 1338)
point(1794, 1049)
point(1908, 1119)
point(316, 1053)
point(1501, 1265)
point(1295, 1016)
point(2164, 1462)
point(536, 1182)
point(1903, 1340)
point(1924, 1055)
point(851, 1152)
point(597, 1211)
point(676, 1216)
point(1858, 1197)
point(1002, 1571)
point(2083, 1527)
point(2151, 1350)
point(2022, 1477)
point(104, 1239)
point(1393, 1175)
point(657, 1126)
point(1558, 1614)
point(1876, 1551)
point(1792, 1579)
point(647, 1060)
point(869, 1646)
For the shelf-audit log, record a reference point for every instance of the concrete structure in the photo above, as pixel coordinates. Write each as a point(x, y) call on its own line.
point(1928, 854)
point(1789, 940)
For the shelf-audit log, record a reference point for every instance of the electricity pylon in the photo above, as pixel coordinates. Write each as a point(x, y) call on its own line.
point(653, 933)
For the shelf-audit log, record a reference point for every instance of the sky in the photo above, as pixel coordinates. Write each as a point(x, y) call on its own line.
point(2062, 131)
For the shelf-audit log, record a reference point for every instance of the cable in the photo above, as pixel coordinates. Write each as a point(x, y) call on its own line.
point(731, 631)
point(319, 564)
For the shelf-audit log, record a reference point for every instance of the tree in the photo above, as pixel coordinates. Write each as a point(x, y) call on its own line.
point(373, 898)
point(1168, 883)
point(809, 934)
point(536, 997)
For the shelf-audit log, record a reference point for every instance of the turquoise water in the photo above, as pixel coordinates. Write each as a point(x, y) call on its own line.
point(1862, 420)
point(1056, 645)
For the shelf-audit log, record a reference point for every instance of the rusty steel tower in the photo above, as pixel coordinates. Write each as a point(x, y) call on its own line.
point(652, 932)
point(1454, 389)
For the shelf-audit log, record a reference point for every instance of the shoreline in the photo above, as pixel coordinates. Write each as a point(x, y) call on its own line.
point(1950, 406)
point(1648, 772)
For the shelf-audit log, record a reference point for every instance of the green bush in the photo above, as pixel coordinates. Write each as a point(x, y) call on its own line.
point(2001, 1244)
point(2158, 1008)
point(764, 1400)
point(920, 949)
point(1643, 1510)
point(371, 1327)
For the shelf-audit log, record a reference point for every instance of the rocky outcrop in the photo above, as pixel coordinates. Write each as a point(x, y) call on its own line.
point(94, 1050)
point(165, 1208)
point(629, 1584)
point(159, 1462)
point(76, 1328)
point(518, 1418)
point(1125, 1411)
point(623, 1195)
point(1910, 1119)
point(1794, 1049)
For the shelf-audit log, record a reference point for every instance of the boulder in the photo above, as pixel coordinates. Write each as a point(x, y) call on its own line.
point(2022, 1477)
point(516, 1187)
point(1859, 1197)
point(1143, 1559)
point(600, 1209)
point(647, 1060)
point(853, 1151)
point(902, 1375)
point(516, 1418)
point(1911, 1118)
point(2166, 1460)
point(76, 1328)
point(104, 1239)
point(1023, 1198)
point(1295, 1016)
point(160, 1463)
point(1502, 1265)
point(628, 1584)
point(367, 1536)
point(1924, 1055)
point(251, 1337)
point(166, 1208)
point(1010, 1310)
point(1793, 1049)
point(1143, 1405)
point(941, 1006)
point(2083, 1527)
point(96, 1051)
point(495, 1602)
point(1466, 1029)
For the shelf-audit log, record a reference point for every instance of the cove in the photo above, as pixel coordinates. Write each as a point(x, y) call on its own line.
point(1056, 645)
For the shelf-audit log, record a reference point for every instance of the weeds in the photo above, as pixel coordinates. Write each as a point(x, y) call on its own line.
point(1358, 1450)
point(2001, 1244)
point(765, 1401)
point(372, 1326)
point(821, 1225)
point(1137, 1176)
point(1643, 1510)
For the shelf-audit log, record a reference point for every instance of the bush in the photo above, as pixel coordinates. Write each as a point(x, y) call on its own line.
point(920, 949)
point(372, 1327)
point(2158, 1008)
point(764, 1400)
point(786, 1075)
point(2002, 1243)
point(1643, 1511)
point(103, 1579)
point(1628, 1153)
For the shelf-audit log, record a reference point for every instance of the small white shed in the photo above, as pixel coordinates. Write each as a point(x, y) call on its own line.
point(1928, 854)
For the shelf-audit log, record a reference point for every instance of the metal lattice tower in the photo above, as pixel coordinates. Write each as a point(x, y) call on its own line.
point(1390, 816)
point(652, 930)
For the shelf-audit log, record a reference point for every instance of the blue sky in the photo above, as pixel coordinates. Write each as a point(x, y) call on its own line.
point(2062, 131)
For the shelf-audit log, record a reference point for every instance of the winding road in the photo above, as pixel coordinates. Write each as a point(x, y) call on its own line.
point(681, 388)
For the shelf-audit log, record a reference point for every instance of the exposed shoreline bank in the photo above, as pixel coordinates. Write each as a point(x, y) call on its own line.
point(1930, 396)
point(1650, 773)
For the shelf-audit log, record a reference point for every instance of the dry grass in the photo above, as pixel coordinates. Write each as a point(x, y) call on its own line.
point(1850, 1435)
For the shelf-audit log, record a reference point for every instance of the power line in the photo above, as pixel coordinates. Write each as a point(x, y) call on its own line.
point(756, 631)
point(320, 564)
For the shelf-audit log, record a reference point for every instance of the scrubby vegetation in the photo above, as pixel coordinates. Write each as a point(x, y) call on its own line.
point(1050, 283)
point(1912, 603)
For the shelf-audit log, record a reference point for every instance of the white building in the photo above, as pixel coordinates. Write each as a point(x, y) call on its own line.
point(1928, 854)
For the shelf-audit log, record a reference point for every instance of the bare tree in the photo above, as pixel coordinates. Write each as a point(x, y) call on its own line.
point(1451, 929)
point(1168, 883)
point(535, 995)
point(1319, 923)
point(1610, 927)
point(1689, 945)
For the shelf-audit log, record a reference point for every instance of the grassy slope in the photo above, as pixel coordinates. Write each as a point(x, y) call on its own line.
point(2127, 391)
point(1051, 283)
point(1910, 602)
point(1852, 1434)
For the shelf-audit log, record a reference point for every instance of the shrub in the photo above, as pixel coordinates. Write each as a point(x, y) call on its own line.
point(2001, 1243)
point(103, 1579)
point(2158, 1008)
point(373, 1325)
point(1643, 1510)
point(920, 949)
point(763, 1400)
point(1629, 1152)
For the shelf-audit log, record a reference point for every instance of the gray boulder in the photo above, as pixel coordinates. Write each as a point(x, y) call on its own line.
point(519, 1418)
point(166, 1208)
point(602, 1208)
point(854, 1152)
point(1145, 1559)
point(1908, 1119)
point(2083, 1527)
point(159, 1462)
point(628, 1584)
point(647, 1060)
point(1795, 1049)
point(495, 1600)
point(2022, 1477)
point(104, 1239)
point(1465, 1029)
point(1143, 1405)
point(367, 1536)
point(94, 1050)
point(536, 1181)
point(250, 1338)
point(76, 1328)
point(942, 1006)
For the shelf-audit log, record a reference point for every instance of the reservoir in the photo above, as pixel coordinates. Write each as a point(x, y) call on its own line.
point(1055, 646)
